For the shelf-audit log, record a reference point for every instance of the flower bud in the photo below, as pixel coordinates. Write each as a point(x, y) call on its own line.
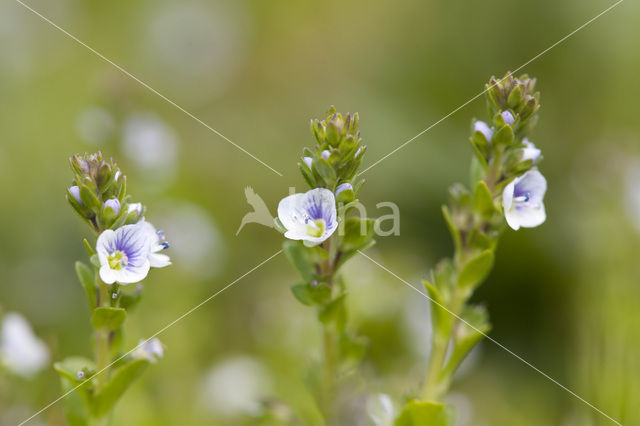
point(113, 204)
point(325, 154)
point(75, 191)
point(307, 161)
point(507, 117)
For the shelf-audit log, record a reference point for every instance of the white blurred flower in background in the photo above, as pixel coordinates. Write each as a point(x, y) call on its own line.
point(20, 349)
point(192, 41)
point(196, 243)
point(152, 146)
point(380, 409)
point(95, 125)
point(236, 386)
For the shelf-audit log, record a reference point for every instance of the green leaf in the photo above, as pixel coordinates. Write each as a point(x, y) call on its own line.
point(455, 234)
point(357, 233)
point(504, 136)
point(324, 170)
point(76, 410)
point(307, 175)
point(476, 270)
point(311, 295)
point(108, 318)
point(70, 367)
point(86, 275)
point(118, 384)
point(467, 335)
point(334, 312)
point(345, 196)
point(345, 256)
point(298, 256)
point(440, 317)
point(483, 200)
point(425, 413)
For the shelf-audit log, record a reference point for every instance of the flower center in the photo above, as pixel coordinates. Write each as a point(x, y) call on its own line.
point(117, 260)
point(315, 228)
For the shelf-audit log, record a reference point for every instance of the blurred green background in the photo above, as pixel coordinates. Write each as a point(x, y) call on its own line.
point(565, 296)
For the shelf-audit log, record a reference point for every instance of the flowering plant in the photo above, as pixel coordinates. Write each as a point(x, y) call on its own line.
point(127, 247)
point(324, 233)
point(505, 186)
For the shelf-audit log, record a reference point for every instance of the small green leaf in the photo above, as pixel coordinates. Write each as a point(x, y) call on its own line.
point(334, 312)
point(425, 413)
point(298, 256)
point(455, 234)
point(324, 170)
point(89, 199)
point(440, 317)
point(86, 275)
point(357, 233)
point(311, 295)
point(504, 136)
point(118, 384)
point(345, 196)
point(95, 261)
point(476, 270)
point(352, 349)
point(108, 318)
point(307, 175)
point(483, 201)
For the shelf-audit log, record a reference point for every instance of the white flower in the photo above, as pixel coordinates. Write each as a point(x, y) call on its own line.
point(124, 254)
point(310, 216)
point(236, 386)
point(482, 127)
point(522, 200)
point(151, 350)
point(156, 244)
point(20, 350)
point(530, 152)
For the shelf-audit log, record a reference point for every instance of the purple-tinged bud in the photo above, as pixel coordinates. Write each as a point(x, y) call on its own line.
point(80, 374)
point(114, 204)
point(307, 161)
point(314, 283)
point(342, 187)
point(117, 175)
point(507, 117)
point(357, 152)
point(135, 208)
point(325, 154)
point(482, 127)
point(75, 191)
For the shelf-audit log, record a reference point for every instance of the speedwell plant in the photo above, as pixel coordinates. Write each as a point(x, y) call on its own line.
point(126, 247)
point(506, 186)
point(324, 232)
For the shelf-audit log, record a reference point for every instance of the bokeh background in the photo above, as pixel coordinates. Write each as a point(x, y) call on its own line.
point(564, 296)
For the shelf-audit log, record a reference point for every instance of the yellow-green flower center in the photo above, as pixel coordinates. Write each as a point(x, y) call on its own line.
point(315, 228)
point(117, 260)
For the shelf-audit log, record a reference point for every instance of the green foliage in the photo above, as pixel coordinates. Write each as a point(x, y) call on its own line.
point(310, 294)
point(86, 275)
point(334, 313)
point(425, 413)
point(299, 257)
point(120, 381)
point(476, 270)
point(107, 318)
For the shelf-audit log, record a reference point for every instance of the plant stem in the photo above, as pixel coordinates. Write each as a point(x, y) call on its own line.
point(102, 341)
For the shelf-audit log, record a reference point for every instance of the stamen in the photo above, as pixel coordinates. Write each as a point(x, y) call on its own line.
point(165, 245)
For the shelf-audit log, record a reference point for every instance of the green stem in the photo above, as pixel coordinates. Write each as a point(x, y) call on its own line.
point(102, 341)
